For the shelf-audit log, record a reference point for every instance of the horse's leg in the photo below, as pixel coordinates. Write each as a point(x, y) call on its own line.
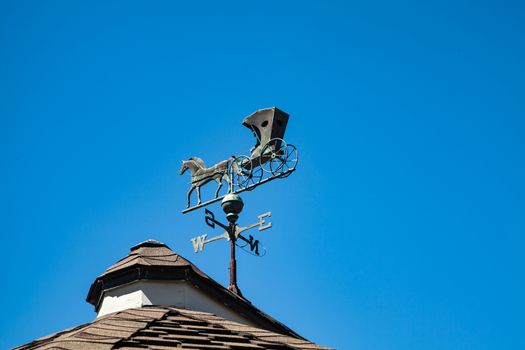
point(198, 194)
point(219, 181)
point(189, 194)
point(226, 177)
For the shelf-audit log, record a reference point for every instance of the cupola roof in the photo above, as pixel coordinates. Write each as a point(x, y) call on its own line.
point(154, 261)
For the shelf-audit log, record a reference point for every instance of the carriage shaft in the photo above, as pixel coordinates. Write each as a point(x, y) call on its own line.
point(247, 188)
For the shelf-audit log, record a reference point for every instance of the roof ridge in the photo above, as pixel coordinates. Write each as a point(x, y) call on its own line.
point(149, 243)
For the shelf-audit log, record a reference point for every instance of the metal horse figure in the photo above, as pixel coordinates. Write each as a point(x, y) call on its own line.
point(200, 175)
point(270, 158)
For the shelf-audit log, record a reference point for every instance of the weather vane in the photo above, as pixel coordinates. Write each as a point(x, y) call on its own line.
point(271, 158)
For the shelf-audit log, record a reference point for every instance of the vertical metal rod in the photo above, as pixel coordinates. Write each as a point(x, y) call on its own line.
point(233, 262)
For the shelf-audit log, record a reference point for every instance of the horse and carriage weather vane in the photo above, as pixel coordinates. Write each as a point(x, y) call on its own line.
point(271, 158)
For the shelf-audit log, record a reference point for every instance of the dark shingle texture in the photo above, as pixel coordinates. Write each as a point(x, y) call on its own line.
point(152, 260)
point(150, 253)
point(159, 328)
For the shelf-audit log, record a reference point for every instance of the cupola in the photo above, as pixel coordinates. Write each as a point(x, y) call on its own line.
point(152, 274)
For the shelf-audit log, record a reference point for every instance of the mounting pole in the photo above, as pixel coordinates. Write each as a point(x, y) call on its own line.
point(232, 205)
point(233, 262)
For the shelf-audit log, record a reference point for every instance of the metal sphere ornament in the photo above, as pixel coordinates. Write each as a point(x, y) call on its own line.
point(232, 205)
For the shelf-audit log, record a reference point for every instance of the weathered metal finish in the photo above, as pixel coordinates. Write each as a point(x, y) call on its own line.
point(233, 262)
point(200, 241)
point(210, 220)
point(232, 233)
point(248, 188)
point(201, 175)
point(232, 205)
point(259, 223)
point(254, 244)
point(266, 124)
point(277, 161)
point(270, 158)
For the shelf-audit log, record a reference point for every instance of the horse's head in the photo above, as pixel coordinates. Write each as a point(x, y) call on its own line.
point(194, 164)
point(184, 167)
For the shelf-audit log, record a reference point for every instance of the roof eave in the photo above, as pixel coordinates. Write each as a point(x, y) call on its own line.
point(186, 273)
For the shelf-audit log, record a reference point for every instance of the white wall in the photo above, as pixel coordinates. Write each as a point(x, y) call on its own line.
point(164, 293)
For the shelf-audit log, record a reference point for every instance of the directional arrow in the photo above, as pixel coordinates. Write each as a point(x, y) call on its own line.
point(200, 241)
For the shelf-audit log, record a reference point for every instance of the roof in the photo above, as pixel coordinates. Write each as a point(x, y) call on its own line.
point(152, 260)
point(149, 253)
point(166, 328)
point(266, 124)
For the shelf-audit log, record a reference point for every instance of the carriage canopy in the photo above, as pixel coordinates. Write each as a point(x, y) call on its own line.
point(266, 124)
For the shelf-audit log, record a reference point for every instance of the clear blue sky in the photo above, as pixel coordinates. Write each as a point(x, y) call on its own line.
point(404, 226)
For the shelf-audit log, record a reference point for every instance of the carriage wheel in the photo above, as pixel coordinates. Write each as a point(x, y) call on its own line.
point(242, 172)
point(256, 176)
point(292, 157)
point(272, 158)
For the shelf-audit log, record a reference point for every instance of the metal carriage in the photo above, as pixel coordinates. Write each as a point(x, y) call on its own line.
point(271, 156)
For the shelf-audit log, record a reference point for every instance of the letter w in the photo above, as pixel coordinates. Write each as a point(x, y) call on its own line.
point(198, 243)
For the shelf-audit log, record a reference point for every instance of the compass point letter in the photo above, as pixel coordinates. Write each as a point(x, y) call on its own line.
point(198, 243)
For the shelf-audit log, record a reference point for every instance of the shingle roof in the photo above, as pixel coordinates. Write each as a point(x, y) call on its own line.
point(167, 327)
point(149, 253)
point(164, 328)
point(147, 260)
point(156, 261)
